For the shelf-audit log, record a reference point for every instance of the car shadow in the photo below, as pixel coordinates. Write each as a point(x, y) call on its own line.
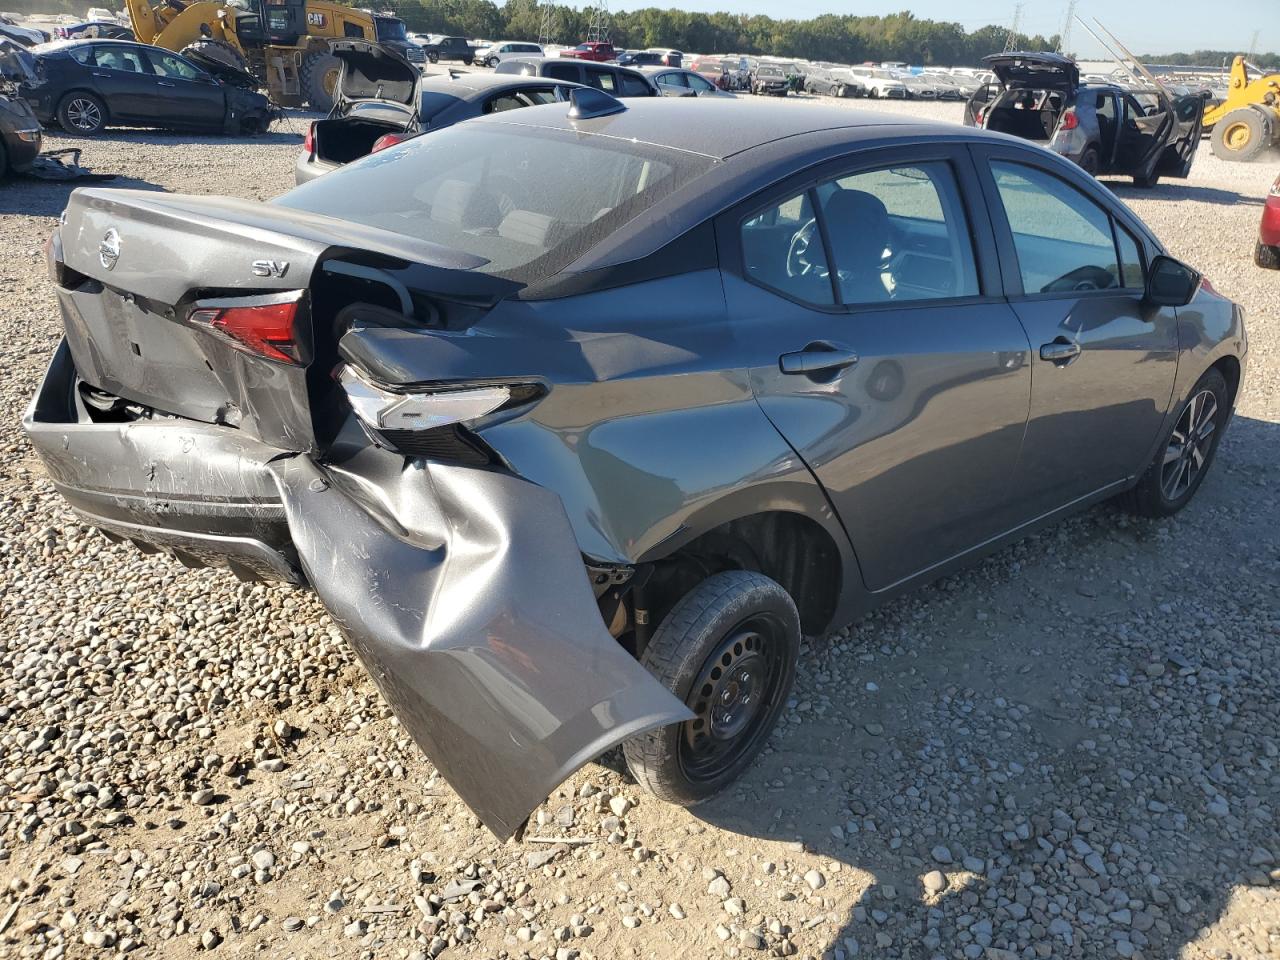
point(1179, 190)
point(31, 196)
point(1071, 776)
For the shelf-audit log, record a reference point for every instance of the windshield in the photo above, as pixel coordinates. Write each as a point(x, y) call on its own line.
point(768, 71)
point(528, 200)
point(390, 28)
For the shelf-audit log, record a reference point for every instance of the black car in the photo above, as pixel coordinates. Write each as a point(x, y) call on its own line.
point(829, 83)
point(94, 30)
point(577, 418)
point(450, 48)
point(609, 77)
point(89, 85)
point(20, 135)
point(380, 99)
point(1106, 129)
point(641, 58)
point(769, 79)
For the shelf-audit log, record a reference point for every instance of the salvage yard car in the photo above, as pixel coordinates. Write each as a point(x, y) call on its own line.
point(1267, 251)
point(20, 134)
point(1105, 128)
point(87, 86)
point(381, 99)
point(550, 518)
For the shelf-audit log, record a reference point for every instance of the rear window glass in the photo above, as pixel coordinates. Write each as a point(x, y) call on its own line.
point(432, 103)
point(529, 201)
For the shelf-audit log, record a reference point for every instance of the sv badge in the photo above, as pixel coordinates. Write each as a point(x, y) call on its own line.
point(270, 268)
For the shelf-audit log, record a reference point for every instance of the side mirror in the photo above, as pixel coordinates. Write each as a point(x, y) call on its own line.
point(1171, 283)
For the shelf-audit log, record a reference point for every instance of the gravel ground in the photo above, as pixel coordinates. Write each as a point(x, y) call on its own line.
point(1069, 751)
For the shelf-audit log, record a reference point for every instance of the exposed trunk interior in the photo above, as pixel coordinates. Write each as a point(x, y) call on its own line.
point(1027, 114)
point(345, 139)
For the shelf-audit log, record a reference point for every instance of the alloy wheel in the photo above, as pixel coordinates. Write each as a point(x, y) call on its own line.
point(84, 114)
point(1189, 445)
point(732, 698)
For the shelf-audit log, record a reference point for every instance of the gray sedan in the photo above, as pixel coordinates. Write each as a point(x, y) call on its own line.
point(578, 417)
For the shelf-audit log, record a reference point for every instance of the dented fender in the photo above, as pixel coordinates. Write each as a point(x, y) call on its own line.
point(463, 593)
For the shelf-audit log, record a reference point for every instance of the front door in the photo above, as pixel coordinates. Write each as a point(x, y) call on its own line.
point(1102, 359)
point(199, 100)
point(882, 349)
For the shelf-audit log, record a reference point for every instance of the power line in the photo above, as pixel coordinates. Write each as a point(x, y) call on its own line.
point(1011, 40)
point(548, 24)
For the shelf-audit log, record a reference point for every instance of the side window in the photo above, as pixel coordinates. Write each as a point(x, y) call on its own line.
point(633, 86)
point(602, 80)
point(116, 58)
point(1105, 106)
point(167, 65)
point(899, 233)
point(561, 71)
point(1063, 239)
point(350, 29)
point(700, 85)
point(539, 95)
point(1134, 277)
point(672, 81)
point(782, 249)
point(82, 55)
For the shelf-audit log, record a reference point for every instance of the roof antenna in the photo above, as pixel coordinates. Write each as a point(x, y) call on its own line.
point(587, 103)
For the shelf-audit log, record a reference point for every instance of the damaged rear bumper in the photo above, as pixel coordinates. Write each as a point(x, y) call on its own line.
point(461, 590)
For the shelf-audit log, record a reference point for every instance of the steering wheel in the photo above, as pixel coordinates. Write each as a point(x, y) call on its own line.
point(798, 264)
point(1080, 280)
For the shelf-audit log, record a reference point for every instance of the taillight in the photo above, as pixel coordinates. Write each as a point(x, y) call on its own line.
point(264, 329)
point(388, 140)
point(309, 141)
point(1069, 121)
point(979, 117)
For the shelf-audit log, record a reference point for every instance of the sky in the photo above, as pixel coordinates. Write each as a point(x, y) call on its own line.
point(1180, 25)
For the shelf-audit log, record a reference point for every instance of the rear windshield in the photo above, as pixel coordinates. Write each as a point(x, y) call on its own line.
point(529, 201)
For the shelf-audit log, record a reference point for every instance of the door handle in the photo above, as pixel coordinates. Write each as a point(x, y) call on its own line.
point(163, 83)
point(1061, 351)
point(817, 357)
point(105, 76)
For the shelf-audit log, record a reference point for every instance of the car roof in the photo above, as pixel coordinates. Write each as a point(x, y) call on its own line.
point(463, 83)
point(720, 128)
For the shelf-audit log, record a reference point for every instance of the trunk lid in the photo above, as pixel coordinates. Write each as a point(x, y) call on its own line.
point(1036, 71)
point(370, 72)
point(134, 266)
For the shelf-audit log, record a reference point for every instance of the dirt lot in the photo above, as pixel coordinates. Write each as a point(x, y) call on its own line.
point(1072, 750)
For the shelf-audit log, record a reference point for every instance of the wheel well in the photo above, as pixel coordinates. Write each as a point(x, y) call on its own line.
point(1229, 367)
point(787, 547)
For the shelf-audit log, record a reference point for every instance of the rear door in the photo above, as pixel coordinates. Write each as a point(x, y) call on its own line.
point(125, 83)
point(602, 78)
point(1181, 151)
point(1102, 359)
point(979, 102)
point(883, 350)
point(673, 85)
point(191, 97)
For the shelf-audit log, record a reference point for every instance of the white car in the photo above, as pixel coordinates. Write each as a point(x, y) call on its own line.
point(500, 50)
point(880, 83)
point(99, 13)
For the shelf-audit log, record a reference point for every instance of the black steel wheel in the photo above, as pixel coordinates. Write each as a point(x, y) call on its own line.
point(728, 649)
point(1180, 465)
point(1089, 161)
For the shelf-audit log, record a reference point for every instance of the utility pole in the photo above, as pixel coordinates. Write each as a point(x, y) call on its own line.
point(1011, 41)
point(599, 29)
point(1064, 38)
point(1253, 45)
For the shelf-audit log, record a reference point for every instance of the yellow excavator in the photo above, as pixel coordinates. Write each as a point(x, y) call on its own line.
point(1248, 120)
point(283, 43)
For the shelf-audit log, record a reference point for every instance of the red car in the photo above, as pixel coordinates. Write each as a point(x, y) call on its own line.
point(1267, 253)
point(601, 51)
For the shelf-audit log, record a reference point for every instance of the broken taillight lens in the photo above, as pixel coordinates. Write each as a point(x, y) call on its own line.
point(309, 141)
point(978, 118)
point(266, 330)
point(1069, 121)
point(388, 140)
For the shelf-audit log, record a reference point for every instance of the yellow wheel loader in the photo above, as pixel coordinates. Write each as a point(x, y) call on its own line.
point(1248, 121)
point(284, 43)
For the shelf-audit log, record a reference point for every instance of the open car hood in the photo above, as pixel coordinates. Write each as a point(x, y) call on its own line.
point(373, 72)
point(1038, 71)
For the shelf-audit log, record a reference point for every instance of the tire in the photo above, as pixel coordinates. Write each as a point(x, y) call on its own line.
point(750, 620)
point(1240, 135)
point(433, 57)
point(491, 62)
point(318, 71)
point(873, 93)
point(1263, 255)
point(467, 61)
point(82, 114)
point(839, 91)
point(1089, 161)
point(1165, 487)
